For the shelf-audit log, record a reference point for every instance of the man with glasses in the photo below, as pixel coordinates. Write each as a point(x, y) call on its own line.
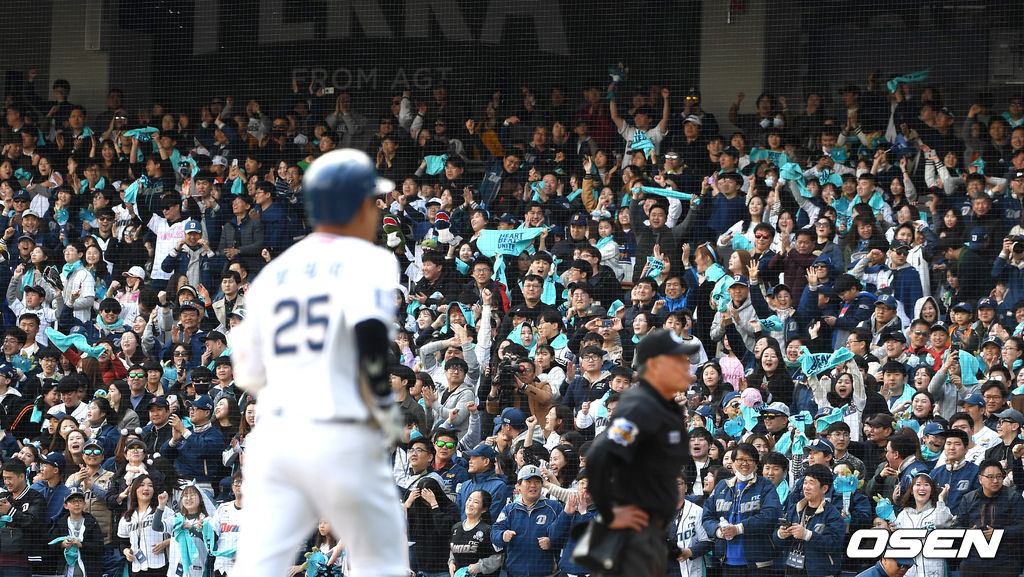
point(591, 381)
point(196, 450)
point(1008, 427)
point(991, 507)
point(445, 464)
point(421, 455)
point(139, 397)
point(93, 481)
point(459, 392)
point(994, 393)
point(741, 514)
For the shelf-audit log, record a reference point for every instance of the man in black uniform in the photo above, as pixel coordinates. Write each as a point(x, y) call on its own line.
point(636, 460)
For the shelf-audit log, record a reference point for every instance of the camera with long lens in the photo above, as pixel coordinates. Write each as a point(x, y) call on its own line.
point(1018, 245)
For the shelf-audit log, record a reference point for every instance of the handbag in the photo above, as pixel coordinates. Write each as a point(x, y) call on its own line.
point(11, 541)
point(598, 548)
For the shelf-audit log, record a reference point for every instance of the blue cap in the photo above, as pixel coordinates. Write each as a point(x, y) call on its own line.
point(511, 416)
point(887, 300)
point(482, 450)
point(932, 428)
point(986, 303)
point(7, 370)
point(977, 239)
point(823, 445)
point(54, 459)
point(823, 259)
point(193, 226)
point(992, 340)
point(202, 402)
point(965, 307)
point(974, 399)
point(578, 219)
point(740, 280)
point(729, 397)
point(705, 411)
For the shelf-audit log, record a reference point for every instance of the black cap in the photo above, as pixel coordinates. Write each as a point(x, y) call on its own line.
point(662, 342)
point(214, 336)
point(159, 402)
point(35, 289)
point(894, 335)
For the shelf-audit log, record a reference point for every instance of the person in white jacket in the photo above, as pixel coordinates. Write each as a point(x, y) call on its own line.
point(79, 290)
point(690, 536)
point(924, 507)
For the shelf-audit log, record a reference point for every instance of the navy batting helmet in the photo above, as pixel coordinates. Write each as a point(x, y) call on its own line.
point(337, 183)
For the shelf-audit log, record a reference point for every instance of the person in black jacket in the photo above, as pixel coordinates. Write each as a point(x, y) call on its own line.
point(993, 506)
point(431, 516)
point(80, 531)
point(27, 510)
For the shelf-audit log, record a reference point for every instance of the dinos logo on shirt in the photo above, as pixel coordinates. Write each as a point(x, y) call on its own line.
point(623, 432)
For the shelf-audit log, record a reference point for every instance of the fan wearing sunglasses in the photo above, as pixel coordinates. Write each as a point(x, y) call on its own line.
point(50, 484)
point(446, 464)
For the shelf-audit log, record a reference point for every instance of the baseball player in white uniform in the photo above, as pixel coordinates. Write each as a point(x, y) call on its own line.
point(314, 348)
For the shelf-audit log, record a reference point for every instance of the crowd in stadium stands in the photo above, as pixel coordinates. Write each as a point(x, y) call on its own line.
point(853, 272)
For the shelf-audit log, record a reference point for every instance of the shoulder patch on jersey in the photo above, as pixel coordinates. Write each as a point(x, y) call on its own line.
point(623, 431)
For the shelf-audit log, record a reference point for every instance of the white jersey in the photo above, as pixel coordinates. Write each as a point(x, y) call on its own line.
point(298, 341)
point(225, 522)
point(689, 532)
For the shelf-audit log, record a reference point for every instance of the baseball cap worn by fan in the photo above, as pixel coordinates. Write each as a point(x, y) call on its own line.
point(977, 239)
point(482, 450)
point(193, 226)
point(529, 472)
point(511, 416)
point(662, 342)
point(202, 402)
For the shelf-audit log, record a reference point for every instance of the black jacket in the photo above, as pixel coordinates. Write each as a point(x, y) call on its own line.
point(28, 514)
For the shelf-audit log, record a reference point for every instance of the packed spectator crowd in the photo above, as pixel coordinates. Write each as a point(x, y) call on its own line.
point(851, 270)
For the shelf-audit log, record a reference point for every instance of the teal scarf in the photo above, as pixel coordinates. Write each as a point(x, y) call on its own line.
point(70, 554)
point(78, 340)
point(70, 268)
point(187, 546)
point(119, 323)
